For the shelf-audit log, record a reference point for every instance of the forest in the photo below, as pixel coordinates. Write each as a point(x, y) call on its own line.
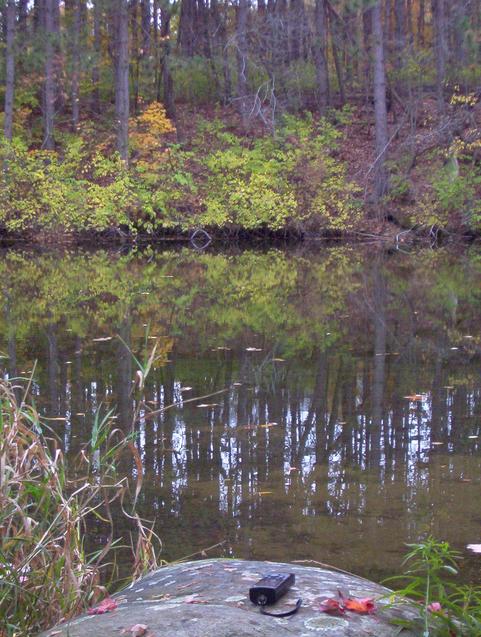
point(128, 118)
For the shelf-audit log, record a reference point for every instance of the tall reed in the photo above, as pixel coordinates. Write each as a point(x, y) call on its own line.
point(46, 573)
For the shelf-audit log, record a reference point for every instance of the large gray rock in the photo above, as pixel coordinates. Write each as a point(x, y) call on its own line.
point(209, 598)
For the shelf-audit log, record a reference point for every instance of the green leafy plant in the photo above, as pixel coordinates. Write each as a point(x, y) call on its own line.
point(445, 608)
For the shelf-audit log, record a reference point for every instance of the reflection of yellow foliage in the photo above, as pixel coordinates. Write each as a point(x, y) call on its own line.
point(148, 129)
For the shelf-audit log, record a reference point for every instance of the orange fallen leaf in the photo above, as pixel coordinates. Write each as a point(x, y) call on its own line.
point(331, 605)
point(363, 606)
point(105, 606)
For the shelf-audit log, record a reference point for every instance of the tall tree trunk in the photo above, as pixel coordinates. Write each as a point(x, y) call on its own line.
point(9, 70)
point(97, 16)
point(221, 34)
point(167, 82)
point(295, 14)
point(440, 49)
point(76, 29)
point(459, 44)
point(145, 22)
point(320, 55)
point(186, 32)
point(421, 22)
point(135, 50)
point(22, 18)
point(380, 110)
point(335, 54)
point(49, 83)
point(122, 79)
point(400, 41)
point(241, 33)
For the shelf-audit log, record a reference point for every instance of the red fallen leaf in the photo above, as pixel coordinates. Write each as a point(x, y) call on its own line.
point(105, 606)
point(363, 606)
point(331, 605)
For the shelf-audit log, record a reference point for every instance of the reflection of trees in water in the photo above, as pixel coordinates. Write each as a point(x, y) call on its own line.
point(349, 461)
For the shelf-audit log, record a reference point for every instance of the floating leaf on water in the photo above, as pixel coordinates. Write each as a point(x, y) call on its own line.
point(291, 469)
point(473, 437)
point(279, 360)
point(68, 362)
point(475, 548)
point(237, 384)
point(208, 405)
point(57, 418)
point(80, 413)
point(269, 424)
point(222, 348)
point(186, 389)
point(253, 349)
point(415, 398)
point(454, 348)
point(437, 443)
point(145, 293)
point(100, 339)
point(448, 387)
point(265, 493)
point(468, 336)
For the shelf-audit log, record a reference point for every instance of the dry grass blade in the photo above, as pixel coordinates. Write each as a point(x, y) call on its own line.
point(45, 572)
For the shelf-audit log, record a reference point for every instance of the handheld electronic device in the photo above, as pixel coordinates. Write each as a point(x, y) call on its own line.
point(271, 588)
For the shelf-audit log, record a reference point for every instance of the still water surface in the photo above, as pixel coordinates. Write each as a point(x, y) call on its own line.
point(350, 413)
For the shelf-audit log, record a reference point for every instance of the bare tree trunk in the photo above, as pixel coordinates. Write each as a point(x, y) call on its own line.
point(9, 70)
point(440, 49)
point(334, 28)
point(459, 45)
point(168, 85)
point(400, 41)
point(22, 18)
point(76, 28)
point(220, 30)
point(49, 83)
point(122, 79)
point(145, 23)
point(97, 14)
point(241, 32)
point(421, 22)
point(295, 23)
point(133, 7)
point(186, 31)
point(380, 110)
point(320, 57)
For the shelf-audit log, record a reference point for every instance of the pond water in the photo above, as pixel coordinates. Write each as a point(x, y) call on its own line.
point(349, 415)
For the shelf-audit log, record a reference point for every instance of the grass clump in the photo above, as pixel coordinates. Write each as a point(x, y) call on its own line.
point(46, 572)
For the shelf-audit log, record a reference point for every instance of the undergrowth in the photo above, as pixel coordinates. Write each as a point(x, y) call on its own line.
point(217, 179)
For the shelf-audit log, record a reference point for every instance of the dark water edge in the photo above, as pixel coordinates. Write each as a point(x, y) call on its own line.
point(352, 407)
